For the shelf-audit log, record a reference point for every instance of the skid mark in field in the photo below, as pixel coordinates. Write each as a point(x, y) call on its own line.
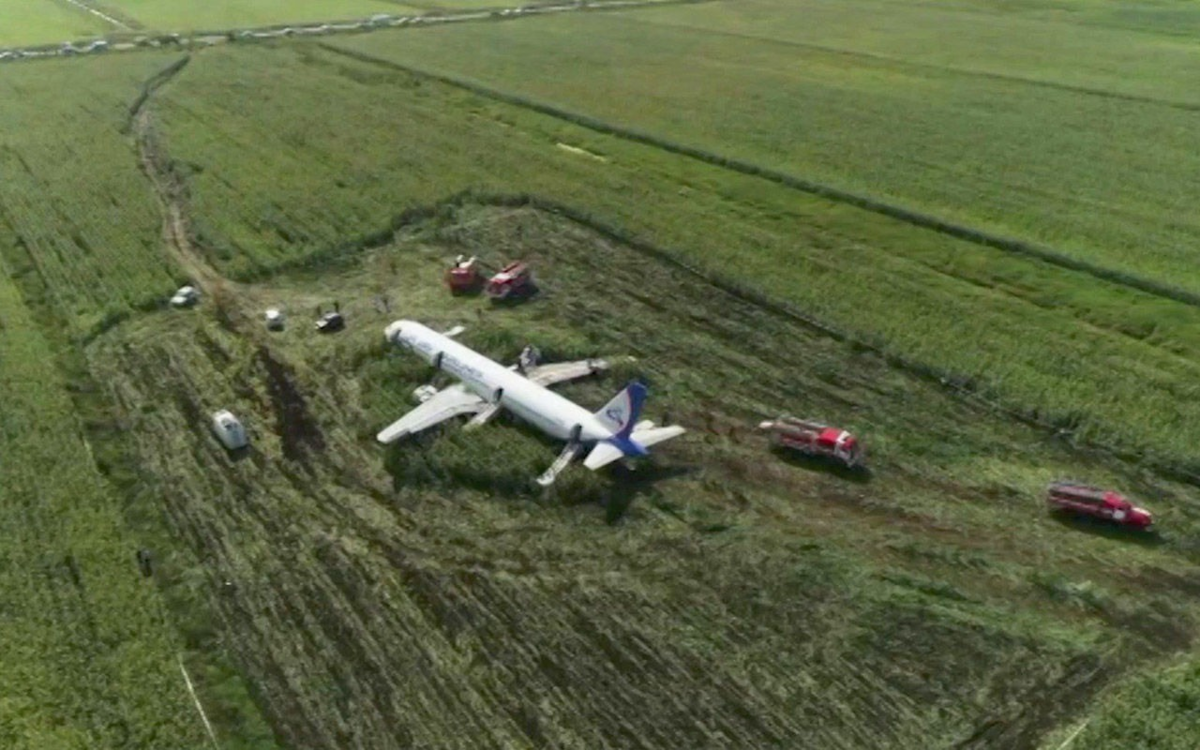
point(169, 187)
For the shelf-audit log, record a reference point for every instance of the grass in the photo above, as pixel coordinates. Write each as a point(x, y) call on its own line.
point(170, 15)
point(74, 208)
point(89, 660)
point(1103, 179)
point(1152, 710)
point(1130, 49)
point(25, 22)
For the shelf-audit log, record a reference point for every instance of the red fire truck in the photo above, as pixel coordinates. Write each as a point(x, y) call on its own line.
point(514, 281)
point(814, 439)
point(1086, 500)
point(464, 277)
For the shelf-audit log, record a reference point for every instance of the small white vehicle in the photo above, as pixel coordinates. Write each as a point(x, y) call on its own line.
point(185, 297)
point(274, 318)
point(229, 430)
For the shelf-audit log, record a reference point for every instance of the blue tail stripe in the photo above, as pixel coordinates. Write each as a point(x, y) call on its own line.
point(636, 392)
point(629, 447)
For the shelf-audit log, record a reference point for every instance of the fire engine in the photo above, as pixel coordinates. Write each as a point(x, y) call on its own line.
point(814, 439)
point(1091, 501)
point(464, 277)
point(514, 281)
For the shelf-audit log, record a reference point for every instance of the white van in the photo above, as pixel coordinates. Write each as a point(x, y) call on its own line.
point(229, 430)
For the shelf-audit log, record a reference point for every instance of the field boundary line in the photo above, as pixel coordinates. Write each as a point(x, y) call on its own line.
point(1066, 743)
point(107, 18)
point(965, 72)
point(187, 680)
point(838, 195)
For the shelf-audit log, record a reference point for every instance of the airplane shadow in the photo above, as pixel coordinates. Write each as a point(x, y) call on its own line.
point(1107, 529)
point(628, 484)
point(861, 474)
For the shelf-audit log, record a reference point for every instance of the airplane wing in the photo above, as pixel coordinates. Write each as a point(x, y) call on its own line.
point(559, 372)
point(446, 403)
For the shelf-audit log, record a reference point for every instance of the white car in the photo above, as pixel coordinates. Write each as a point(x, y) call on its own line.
point(185, 297)
point(229, 430)
point(274, 318)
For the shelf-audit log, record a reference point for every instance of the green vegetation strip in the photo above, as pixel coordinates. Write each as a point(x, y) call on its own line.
point(88, 659)
point(915, 218)
point(1104, 181)
point(931, 67)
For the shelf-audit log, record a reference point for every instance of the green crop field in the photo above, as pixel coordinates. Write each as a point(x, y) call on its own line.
point(86, 657)
point(172, 15)
point(44, 22)
point(1086, 172)
point(959, 229)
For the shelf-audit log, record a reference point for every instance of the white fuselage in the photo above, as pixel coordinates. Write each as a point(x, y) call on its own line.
point(497, 384)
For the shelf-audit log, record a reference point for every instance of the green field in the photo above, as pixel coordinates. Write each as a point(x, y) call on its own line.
point(323, 592)
point(86, 657)
point(172, 15)
point(1093, 176)
point(45, 22)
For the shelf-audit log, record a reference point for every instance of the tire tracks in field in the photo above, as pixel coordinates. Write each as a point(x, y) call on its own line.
point(170, 188)
point(918, 219)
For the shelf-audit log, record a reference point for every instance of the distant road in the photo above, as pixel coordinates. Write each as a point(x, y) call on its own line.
point(207, 38)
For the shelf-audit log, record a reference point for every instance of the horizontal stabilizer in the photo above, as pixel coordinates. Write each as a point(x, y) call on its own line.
point(602, 455)
point(653, 435)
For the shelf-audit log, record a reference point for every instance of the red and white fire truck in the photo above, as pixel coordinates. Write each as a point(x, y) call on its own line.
point(514, 281)
point(814, 439)
point(1096, 502)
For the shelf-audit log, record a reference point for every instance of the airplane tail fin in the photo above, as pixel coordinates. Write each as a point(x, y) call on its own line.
point(621, 414)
